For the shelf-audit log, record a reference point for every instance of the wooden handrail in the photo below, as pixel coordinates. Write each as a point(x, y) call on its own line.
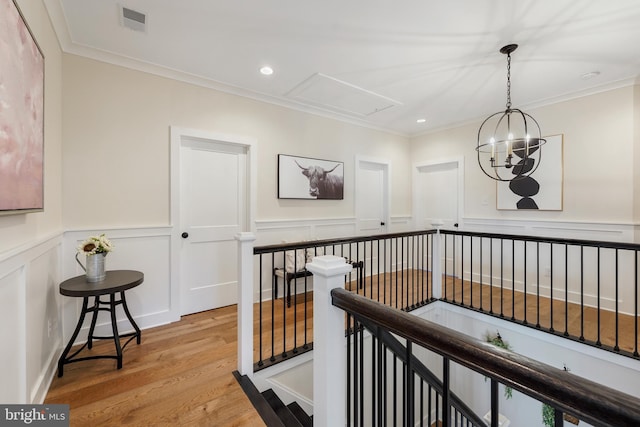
point(589, 401)
point(330, 242)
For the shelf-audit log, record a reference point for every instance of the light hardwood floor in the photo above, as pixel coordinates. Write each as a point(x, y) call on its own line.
point(180, 375)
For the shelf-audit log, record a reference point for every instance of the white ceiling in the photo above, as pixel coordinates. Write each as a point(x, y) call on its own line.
point(379, 63)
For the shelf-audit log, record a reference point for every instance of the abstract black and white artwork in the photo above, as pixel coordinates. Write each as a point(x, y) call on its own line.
point(307, 178)
point(542, 190)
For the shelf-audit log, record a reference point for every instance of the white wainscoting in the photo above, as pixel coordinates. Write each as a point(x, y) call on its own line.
point(623, 233)
point(38, 321)
point(29, 308)
point(606, 231)
point(143, 249)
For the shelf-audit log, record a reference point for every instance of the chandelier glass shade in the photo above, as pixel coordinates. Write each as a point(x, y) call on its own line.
point(509, 142)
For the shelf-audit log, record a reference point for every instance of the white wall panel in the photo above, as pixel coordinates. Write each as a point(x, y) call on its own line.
point(12, 336)
point(42, 333)
point(142, 249)
point(31, 336)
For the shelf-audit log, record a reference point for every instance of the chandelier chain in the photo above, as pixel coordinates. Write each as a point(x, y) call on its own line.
point(508, 81)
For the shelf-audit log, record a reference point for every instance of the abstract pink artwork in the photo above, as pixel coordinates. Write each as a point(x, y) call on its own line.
point(21, 115)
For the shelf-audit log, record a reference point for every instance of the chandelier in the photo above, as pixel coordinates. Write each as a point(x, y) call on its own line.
point(509, 141)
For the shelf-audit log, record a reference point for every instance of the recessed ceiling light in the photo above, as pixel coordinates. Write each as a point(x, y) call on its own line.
point(266, 70)
point(590, 75)
point(421, 120)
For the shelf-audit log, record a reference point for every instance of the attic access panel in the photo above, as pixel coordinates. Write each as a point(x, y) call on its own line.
point(333, 94)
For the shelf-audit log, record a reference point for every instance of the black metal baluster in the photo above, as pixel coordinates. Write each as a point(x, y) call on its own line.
point(537, 285)
point(501, 278)
point(409, 386)
point(525, 282)
point(461, 274)
point(396, 272)
point(558, 420)
point(453, 244)
point(446, 401)
point(635, 302)
point(598, 343)
point(491, 276)
point(410, 273)
point(395, 390)
point(260, 315)
point(495, 404)
point(384, 389)
point(306, 306)
point(430, 239)
point(373, 379)
point(274, 286)
point(421, 403)
point(381, 382)
point(402, 274)
point(356, 400)
point(470, 271)
point(421, 267)
point(616, 347)
point(378, 268)
point(438, 402)
point(581, 293)
point(429, 406)
point(370, 265)
point(566, 290)
point(551, 328)
point(481, 278)
point(284, 307)
point(361, 368)
point(350, 335)
point(513, 279)
point(445, 266)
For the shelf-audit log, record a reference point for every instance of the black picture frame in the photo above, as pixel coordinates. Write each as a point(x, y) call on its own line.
point(307, 178)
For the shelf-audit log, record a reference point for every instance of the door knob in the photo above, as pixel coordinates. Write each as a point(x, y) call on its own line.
point(382, 223)
point(455, 225)
point(185, 235)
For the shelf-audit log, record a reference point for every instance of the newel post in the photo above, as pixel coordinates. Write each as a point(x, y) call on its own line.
point(245, 302)
point(329, 345)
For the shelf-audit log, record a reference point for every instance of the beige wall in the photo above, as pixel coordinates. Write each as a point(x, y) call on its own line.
point(25, 229)
point(116, 146)
point(598, 159)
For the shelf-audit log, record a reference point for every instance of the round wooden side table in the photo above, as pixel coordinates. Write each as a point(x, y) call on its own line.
point(116, 281)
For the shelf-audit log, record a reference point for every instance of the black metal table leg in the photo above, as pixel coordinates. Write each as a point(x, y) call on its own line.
point(114, 328)
point(94, 318)
point(63, 357)
point(138, 333)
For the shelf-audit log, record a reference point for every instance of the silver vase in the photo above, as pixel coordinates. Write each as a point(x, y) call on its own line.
point(94, 269)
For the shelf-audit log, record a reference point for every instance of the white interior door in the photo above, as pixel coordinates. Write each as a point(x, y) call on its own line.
point(372, 196)
point(213, 203)
point(437, 197)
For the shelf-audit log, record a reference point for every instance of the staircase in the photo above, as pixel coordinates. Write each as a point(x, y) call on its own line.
point(272, 410)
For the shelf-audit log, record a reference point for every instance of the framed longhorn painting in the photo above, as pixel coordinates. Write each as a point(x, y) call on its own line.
point(21, 115)
point(307, 178)
point(542, 190)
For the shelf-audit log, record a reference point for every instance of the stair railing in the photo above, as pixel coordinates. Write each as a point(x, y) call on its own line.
point(566, 393)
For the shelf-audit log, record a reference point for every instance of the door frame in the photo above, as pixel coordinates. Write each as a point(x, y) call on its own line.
point(459, 162)
point(177, 134)
point(386, 167)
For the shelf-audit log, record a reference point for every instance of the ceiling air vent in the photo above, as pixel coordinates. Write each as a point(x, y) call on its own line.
point(134, 20)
